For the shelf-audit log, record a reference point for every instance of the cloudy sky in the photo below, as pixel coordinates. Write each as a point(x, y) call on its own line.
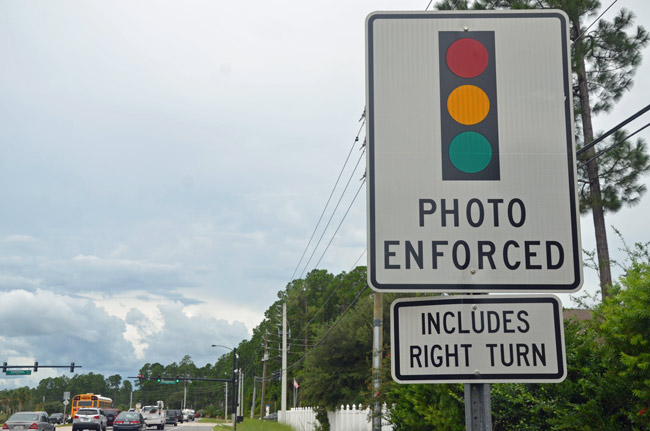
point(163, 165)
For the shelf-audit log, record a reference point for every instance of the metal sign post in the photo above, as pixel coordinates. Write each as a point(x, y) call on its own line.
point(472, 189)
point(478, 411)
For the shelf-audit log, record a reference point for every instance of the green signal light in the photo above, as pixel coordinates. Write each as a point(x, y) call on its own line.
point(470, 152)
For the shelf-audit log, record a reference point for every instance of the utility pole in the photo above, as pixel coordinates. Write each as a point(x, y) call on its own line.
point(378, 314)
point(233, 411)
point(240, 403)
point(283, 404)
point(184, 394)
point(253, 401)
point(225, 404)
point(265, 358)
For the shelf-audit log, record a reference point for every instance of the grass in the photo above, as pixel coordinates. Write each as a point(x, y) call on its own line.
point(255, 425)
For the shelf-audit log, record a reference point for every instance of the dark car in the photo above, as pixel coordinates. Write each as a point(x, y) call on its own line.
point(179, 415)
point(110, 414)
point(129, 421)
point(171, 417)
point(271, 417)
point(29, 420)
point(56, 418)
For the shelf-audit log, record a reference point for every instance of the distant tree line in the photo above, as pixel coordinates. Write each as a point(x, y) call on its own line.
point(48, 395)
point(330, 320)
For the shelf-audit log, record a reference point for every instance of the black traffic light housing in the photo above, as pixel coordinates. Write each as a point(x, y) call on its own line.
point(177, 379)
point(468, 106)
point(158, 379)
point(36, 366)
point(72, 367)
point(4, 367)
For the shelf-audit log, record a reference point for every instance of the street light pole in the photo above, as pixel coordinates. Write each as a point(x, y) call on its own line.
point(233, 412)
point(234, 391)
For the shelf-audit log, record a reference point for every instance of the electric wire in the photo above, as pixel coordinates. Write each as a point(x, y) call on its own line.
point(322, 338)
point(328, 298)
point(595, 21)
point(614, 129)
point(611, 147)
point(356, 139)
point(341, 222)
point(333, 213)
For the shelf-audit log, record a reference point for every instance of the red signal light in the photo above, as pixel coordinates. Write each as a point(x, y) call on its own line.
point(467, 57)
point(33, 426)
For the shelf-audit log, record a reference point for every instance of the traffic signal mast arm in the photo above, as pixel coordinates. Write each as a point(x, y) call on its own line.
point(177, 379)
point(36, 366)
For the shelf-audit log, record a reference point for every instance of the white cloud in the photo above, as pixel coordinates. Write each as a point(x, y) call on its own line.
point(182, 157)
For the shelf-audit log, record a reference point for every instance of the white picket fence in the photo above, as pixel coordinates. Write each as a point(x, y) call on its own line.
point(345, 419)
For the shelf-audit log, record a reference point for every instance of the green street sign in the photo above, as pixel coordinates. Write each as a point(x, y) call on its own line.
point(168, 382)
point(19, 372)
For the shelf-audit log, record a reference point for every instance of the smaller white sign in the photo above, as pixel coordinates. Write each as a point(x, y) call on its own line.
point(478, 339)
point(66, 402)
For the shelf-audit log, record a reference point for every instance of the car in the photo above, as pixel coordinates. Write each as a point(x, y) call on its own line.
point(179, 416)
point(29, 420)
point(89, 418)
point(129, 421)
point(171, 417)
point(56, 418)
point(271, 417)
point(110, 414)
point(154, 416)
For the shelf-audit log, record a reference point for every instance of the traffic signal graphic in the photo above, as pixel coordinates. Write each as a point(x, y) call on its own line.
point(468, 98)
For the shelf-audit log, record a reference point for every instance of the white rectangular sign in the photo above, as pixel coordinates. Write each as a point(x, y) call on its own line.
point(471, 153)
point(478, 339)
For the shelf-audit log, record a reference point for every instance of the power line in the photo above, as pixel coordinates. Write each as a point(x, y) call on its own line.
point(328, 298)
point(339, 226)
point(354, 301)
point(614, 129)
point(595, 21)
point(332, 215)
point(616, 144)
point(356, 139)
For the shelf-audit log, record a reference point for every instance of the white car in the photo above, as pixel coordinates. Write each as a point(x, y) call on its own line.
point(154, 416)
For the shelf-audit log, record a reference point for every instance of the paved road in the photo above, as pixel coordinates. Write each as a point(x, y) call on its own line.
point(185, 426)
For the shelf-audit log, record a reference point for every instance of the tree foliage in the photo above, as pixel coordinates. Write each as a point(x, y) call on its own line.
point(604, 59)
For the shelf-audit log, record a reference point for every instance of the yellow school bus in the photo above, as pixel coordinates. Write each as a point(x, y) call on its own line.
point(90, 400)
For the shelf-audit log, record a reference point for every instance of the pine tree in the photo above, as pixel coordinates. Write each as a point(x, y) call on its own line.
point(604, 61)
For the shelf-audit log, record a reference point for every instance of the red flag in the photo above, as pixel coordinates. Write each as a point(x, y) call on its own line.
point(295, 384)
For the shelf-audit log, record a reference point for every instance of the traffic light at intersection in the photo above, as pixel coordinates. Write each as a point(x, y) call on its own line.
point(468, 102)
